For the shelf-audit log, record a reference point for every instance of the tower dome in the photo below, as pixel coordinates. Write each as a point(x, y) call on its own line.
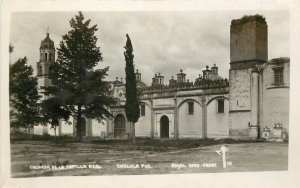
point(47, 43)
point(47, 56)
point(47, 50)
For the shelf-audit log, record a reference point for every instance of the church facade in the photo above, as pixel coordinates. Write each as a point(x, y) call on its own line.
point(253, 103)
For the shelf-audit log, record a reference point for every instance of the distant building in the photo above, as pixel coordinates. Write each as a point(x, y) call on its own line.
point(253, 103)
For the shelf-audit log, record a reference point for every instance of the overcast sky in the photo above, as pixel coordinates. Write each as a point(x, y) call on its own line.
point(163, 42)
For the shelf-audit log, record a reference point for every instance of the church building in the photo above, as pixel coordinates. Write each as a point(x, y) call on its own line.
point(253, 103)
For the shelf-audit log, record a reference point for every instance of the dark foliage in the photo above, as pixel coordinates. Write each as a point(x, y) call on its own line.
point(78, 87)
point(23, 95)
point(52, 111)
point(256, 17)
point(132, 104)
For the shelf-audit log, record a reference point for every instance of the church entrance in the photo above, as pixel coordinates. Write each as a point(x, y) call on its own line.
point(164, 127)
point(119, 126)
point(83, 127)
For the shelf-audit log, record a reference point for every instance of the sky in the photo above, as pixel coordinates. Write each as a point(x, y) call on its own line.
point(163, 42)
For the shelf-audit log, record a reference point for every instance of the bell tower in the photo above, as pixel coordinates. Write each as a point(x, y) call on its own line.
point(47, 56)
point(248, 50)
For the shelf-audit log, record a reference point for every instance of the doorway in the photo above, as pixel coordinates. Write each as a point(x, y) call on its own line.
point(164, 127)
point(119, 126)
point(83, 127)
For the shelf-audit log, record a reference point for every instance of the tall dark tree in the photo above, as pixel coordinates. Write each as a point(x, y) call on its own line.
point(132, 105)
point(23, 95)
point(81, 89)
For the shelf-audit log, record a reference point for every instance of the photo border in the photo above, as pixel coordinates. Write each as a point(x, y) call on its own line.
point(290, 178)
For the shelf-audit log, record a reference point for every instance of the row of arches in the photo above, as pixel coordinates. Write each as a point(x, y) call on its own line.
point(47, 56)
point(193, 100)
point(190, 124)
point(206, 103)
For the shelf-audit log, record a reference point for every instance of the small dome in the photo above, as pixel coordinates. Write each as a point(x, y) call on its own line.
point(47, 43)
point(216, 77)
point(140, 85)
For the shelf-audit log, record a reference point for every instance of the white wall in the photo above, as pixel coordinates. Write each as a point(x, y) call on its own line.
point(99, 129)
point(238, 124)
point(38, 130)
point(143, 126)
point(190, 125)
point(66, 129)
point(275, 112)
point(217, 123)
point(163, 102)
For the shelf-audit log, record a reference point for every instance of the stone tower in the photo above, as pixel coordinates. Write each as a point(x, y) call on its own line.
point(248, 50)
point(47, 56)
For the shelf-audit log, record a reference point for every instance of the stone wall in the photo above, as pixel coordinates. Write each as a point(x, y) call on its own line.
point(239, 90)
point(275, 98)
point(248, 39)
point(239, 103)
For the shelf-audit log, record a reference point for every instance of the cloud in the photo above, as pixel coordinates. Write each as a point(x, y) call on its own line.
point(163, 42)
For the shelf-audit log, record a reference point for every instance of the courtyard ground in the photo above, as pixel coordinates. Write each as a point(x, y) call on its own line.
point(46, 158)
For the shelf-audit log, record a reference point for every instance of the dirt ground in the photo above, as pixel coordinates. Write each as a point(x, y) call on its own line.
point(44, 158)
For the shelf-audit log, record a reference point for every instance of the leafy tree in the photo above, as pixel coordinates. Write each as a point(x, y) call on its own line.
point(80, 87)
point(52, 111)
point(23, 95)
point(132, 104)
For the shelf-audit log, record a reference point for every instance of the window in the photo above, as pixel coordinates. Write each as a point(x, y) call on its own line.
point(191, 108)
point(46, 59)
point(278, 76)
point(40, 70)
point(142, 110)
point(221, 106)
point(50, 69)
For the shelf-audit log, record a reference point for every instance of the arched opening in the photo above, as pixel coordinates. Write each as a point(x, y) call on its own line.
point(119, 126)
point(164, 127)
point(40, 71)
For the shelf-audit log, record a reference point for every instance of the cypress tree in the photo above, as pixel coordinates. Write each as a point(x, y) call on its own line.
point(131, 105)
